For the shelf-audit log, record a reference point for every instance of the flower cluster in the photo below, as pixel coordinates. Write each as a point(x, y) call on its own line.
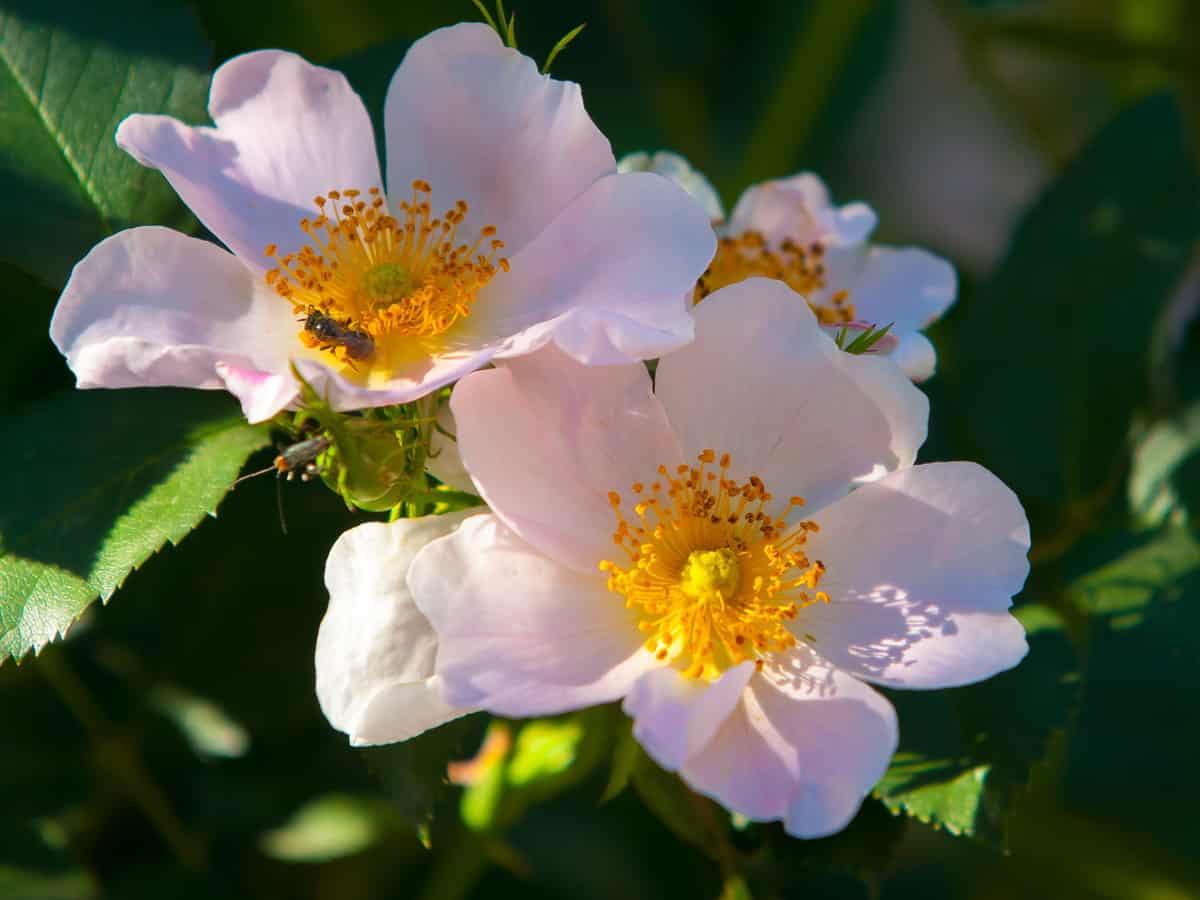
point(735, 550)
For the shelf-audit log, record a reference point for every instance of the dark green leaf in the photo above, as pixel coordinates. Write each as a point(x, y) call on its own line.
point(965, 752)
point(543, 759)
point(1055, 347)
point(94, 485)
point(22, 884)
point(1137, 714)
point(69, 73)
point(1163, 481)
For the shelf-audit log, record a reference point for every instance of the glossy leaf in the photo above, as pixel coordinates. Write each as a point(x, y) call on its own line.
point(1055, 346)
point(964, 753)
point(69, 73)
point(95, 484)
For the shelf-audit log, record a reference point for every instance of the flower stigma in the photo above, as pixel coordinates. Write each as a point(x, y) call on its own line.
point(799, 267)
point(368, 281)
point(714, 576)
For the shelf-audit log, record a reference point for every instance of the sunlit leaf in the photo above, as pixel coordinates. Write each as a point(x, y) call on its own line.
point(964, 753)
point(330, 827)
point(69, 73)
point(95, 484)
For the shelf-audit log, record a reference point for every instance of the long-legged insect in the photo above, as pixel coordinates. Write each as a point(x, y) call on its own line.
point(298, 459)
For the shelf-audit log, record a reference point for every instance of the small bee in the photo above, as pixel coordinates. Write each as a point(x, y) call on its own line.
point(357, 344)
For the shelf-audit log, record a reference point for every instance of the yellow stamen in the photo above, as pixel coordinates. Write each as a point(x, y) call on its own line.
point(800, 267)
point(714, 576)
point(380, 278)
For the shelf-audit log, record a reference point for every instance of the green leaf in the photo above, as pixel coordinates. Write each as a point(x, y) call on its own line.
point(1056, 345)
point(94, 485)
point(69, 73)
point(1137, 717)
point(965, 753)
point(545, 758)
point(1163, 481)
point(332, 826)
point(1155, 571)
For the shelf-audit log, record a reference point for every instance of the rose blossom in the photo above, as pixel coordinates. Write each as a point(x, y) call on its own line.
point(735, 553)
point(504, 226)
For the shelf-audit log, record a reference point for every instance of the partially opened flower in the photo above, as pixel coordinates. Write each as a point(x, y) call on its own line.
point(504, 226)
point(734, 552)
point(789, 229)
point(375, 651)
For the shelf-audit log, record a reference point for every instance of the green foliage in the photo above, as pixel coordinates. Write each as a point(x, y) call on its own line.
point(965, 754)
point(1056, 345)
point(331, 826)
point(98, 483)
point(1164, 481)
point(69, 73)
point(520, 766)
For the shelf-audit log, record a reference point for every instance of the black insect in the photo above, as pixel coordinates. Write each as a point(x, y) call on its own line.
point(298, 459)
point(294, 460)
point(357, 344)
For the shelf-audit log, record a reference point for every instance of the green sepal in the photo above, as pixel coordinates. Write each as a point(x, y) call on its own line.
point(376, 458)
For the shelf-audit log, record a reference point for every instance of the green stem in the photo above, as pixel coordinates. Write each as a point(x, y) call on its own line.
point(802, 90)
point(117, 753)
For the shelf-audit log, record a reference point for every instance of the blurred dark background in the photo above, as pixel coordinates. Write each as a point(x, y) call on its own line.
point(172, 745)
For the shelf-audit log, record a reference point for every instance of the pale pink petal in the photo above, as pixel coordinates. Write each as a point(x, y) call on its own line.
point(609, 279)
point(262, 394)
point(679, 170)
point(151, 307)
point(444, 461)
point(674, 717)
point(478, 122)
point(915, 355)
point(423, 373)
point(546, 439)
point(520, 635)
point(903, 286)
point(805, 745)
point(764, 384)
point(799, 209)
point(286, 131)
point(375, 651)
point(921, 568)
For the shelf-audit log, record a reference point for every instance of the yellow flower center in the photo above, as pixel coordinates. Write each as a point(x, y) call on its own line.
point(715, 577)
point(369, 280)
point(800, 267)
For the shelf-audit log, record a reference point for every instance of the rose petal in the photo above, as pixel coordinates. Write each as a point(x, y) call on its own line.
point(520, 635)
point(799, 208)
point(905, 286)
point(608, 280)
point(444, 461)
point(375, 651)
point(151, 307)
point(805, 745)
point(286, 131)
point(921, 568)
point(546, 439)
point(674, 717)
point(478, 122)
point(806, 417)
point(679, 170)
